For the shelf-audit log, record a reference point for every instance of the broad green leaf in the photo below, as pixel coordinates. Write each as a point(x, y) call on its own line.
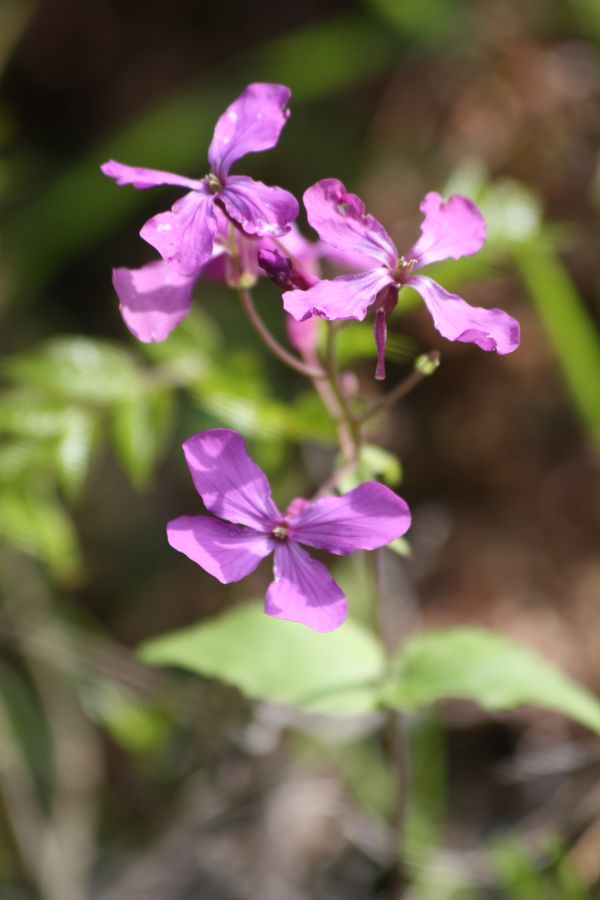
point(139, 426)
point(269, 659)
point(79, 369)
point(485, 667)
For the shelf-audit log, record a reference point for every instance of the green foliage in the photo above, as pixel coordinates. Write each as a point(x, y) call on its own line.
point(343, 672)
point(526, 878)
point(34, 521)
point(140, 426)
point(488, 668)
point(139, 727)
point(374, 464)
point(78, 369)
point(269, 659)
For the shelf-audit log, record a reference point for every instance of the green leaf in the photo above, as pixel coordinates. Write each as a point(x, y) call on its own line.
point(192, 350)
point(337, 673)
point(139, 428)
point(488, 668)
point(74, 448)
point(80, 369)
point(33, 521)
point(374, 463)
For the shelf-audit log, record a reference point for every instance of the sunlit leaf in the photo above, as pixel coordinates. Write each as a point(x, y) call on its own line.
point(78, 368)
point(73, 449)
point(374, 464)
point(269, 659)
point(487, 668)
point(139, 426)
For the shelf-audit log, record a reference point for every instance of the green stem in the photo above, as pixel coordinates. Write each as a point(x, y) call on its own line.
point(400, 391)
point(273, 344)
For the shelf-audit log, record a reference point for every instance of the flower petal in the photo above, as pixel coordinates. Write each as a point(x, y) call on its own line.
point(451, 228)
point(340, 219)
point(251, 123)
point(365, 518)
point(344, 297)
point(146, 178)
point(456, 320)
point(225, 551)
point(304, 591)
point(258, 208)
point(153, 299)
point(184, 236)
point(231, 485)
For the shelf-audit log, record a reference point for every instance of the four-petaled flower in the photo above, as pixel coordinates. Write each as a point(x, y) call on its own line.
point(453, 229)
point(249, 527)
point(184, 236)
point(154, 299)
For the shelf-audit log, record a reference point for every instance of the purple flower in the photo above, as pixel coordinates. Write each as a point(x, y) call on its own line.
point(249, 527)
point(451, 228)
point(184, 236)
point(154, 299)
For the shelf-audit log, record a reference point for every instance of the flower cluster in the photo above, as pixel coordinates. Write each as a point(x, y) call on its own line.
point(235, 228)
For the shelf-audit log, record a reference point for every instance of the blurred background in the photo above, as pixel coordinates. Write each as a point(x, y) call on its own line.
point(119, 781)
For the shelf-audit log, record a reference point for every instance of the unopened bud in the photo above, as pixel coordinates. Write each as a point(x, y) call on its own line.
point(281, 270)
point(427, 363)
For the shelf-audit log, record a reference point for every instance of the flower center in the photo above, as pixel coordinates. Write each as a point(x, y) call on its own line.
point(404, 268)
point(213, 183)
point(280, 532)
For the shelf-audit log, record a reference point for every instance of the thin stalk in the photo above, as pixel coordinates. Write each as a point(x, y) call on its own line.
point(400, 391)
point(395, 740)
point(273, 344)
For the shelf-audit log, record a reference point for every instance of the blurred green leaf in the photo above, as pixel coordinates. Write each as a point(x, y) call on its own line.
point(19, 458)
point(269, 659)
point(425, 22)
point(374, 463)
point(73, 450)
point(488, 668)
point(241, 396)
point(33, 521)
point(28, 414)
point(27, 724)
point(135, 725)
point(139, 427)
point(570, 329)
point(79, 369)
point(190, 351)
point(517, 873)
